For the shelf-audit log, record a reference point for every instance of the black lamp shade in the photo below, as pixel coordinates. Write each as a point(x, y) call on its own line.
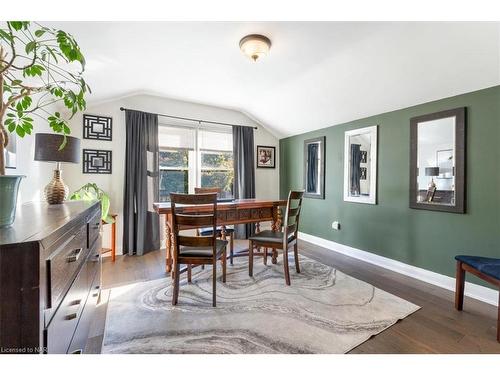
point(47, 148)
point(432, 171)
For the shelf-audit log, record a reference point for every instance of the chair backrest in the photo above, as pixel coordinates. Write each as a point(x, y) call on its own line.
point(185, 215)
point(292, 214)
point(206, 190)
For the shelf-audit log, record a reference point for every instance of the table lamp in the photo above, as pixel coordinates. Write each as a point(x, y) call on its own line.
point(47, 149)
point(432, 171)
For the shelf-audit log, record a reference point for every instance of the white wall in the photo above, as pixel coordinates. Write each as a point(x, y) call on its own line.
point(267, 180)
point(37, 174)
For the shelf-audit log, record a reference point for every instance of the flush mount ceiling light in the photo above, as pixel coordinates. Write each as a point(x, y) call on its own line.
point(255, 46)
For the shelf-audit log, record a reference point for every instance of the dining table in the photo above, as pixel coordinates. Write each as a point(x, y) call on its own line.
point(233, 212)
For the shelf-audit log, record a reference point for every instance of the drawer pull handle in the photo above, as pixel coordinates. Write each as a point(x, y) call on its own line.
point(76, 302)
point(97, 287)
point(71, 316)
point(78, 351)
point(74, 255)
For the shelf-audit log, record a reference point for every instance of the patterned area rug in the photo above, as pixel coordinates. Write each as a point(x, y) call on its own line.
point(323, 311)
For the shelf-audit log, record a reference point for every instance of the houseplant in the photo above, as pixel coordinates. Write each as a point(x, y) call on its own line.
point(40, 67)
point(91, 191)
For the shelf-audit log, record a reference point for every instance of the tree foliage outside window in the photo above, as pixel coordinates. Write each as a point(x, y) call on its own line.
point(174, 173)
point(217, 171)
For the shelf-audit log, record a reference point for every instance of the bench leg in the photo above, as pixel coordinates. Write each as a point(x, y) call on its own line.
point(460, 285)
point(498, 320)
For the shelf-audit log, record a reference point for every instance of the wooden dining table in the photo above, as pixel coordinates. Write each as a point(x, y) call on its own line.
point(237, 211)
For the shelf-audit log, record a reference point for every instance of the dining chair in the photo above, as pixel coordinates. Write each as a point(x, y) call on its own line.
point(195, 249)
point(280, 240)
point(208, 231)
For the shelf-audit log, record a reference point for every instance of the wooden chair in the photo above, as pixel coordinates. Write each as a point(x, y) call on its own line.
point(280, 240)
point(195, 249)
point(222, 230)
point(487, 269)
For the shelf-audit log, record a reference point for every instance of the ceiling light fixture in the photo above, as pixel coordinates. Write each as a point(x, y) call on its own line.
point(255, 46)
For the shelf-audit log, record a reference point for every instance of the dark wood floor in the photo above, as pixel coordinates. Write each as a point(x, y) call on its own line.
point(436, 328)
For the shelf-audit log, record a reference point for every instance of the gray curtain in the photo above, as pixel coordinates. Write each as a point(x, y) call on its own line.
point(312, 167)
point(355, 169)
point(244, 172)
point(141, 225)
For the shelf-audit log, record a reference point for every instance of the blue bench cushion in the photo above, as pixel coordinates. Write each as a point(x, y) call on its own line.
point(488, 266)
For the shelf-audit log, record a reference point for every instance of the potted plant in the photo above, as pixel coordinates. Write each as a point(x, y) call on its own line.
point(90, 192)
point(40, 67)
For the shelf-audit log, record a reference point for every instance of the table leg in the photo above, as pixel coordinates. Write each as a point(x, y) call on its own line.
point(168, 240)
point(276, 226)
point(113, 240)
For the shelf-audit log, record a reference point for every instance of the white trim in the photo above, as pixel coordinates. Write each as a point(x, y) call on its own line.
point(475, 291)
point(372, 131)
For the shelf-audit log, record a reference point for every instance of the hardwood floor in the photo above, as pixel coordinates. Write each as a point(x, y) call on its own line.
point(436, 328)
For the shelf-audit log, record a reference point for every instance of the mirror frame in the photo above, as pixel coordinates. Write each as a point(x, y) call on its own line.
point(322, 141)
point(373, 131)
point(460, 119)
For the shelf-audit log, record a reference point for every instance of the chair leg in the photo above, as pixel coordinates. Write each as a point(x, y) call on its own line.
point(214, 283)
point(224, 262)
point(459, 288)
point(231, 247)
point(175, 294)
point(285, 265)
point(189, 273)
point(265, 256)
point(296, 256)
point(250, 258)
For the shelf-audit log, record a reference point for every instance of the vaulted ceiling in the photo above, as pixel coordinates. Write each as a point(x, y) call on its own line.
point(316, 75)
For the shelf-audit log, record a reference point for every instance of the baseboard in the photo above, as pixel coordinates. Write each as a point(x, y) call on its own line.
point(475, 291)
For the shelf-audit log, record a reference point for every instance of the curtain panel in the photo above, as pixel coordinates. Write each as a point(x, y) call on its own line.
point(244, 172)
point(141, 230)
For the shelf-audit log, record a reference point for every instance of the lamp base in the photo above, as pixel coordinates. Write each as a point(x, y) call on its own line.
point(56, 192)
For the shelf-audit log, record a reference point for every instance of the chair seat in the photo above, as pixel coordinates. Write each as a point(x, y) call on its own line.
point(208, 231)
point(488, 266)
point(269, 236)
point(198, 251)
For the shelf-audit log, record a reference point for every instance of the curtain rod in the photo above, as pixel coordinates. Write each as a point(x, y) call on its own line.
point(193, 119)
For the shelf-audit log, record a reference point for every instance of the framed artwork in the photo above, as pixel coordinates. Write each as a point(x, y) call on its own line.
point(360, 182)
point(266, 157)
point(97, 127)
point(97, 161)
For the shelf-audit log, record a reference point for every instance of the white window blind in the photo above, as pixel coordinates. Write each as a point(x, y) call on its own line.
point(176, 137)
point(215, 139)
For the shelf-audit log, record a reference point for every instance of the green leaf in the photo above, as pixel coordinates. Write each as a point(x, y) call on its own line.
point(5, 35)
point(63, 144)
point(11, 127)
point(20, 131)
point(30, 47)
point(26, 102)
point(17, 25)
point(39, 33)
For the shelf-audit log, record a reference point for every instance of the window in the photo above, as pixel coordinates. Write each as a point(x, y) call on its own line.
point(195, 156)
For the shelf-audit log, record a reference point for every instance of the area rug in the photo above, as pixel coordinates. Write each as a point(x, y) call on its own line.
point(323, 311)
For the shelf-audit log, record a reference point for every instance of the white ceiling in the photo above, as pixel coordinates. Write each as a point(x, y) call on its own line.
point(316, 75)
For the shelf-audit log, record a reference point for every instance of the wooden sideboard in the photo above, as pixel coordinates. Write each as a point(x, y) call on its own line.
point(50, 274)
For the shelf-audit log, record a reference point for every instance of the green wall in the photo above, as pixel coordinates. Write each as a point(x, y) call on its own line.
point(426, 239)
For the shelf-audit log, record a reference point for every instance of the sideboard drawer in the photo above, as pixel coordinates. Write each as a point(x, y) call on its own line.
point(94, 227)
point(60, 330)
point(62, 265)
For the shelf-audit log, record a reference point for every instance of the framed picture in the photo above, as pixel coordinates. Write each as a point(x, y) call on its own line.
point(266, 157)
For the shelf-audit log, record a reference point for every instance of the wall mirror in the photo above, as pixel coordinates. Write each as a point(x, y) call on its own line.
point(314, 168)
point(360, 165)
point(437, 161)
